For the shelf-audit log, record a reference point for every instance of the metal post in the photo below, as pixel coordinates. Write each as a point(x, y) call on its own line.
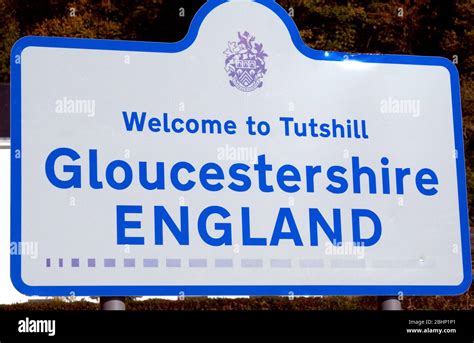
point(389, 304)
point(112, 303)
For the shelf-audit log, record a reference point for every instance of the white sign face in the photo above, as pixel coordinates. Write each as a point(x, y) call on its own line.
point(237, 161)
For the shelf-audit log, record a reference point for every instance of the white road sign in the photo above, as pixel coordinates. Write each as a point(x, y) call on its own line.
point(236, 161)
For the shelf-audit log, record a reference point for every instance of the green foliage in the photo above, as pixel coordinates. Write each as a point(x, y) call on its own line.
point(9, 33)
point(335, 26)
point(51, 305)
point(81, 20)
point(463, 302)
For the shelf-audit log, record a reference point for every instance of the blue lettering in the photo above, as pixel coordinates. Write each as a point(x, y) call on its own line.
point(226, 228)
point(285, 215)
point(334, 235)
point(421, 181)
point(123, 224)
point(356, 215)
point(134, 121)
point(75, 180)
point(180, 234)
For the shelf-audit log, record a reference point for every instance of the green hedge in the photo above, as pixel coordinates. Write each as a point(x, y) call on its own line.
point(462, 302)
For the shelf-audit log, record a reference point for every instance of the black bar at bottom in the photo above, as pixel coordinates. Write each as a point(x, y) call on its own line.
point(443, 325)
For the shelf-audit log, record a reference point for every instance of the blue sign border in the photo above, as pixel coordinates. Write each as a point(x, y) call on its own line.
point(74, 43)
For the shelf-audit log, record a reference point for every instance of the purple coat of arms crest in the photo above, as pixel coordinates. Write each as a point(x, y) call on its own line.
point(245, 63)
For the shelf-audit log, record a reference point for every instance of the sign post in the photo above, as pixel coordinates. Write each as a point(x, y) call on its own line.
point(389, 303)
point(112, 303)
point(237, 161)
